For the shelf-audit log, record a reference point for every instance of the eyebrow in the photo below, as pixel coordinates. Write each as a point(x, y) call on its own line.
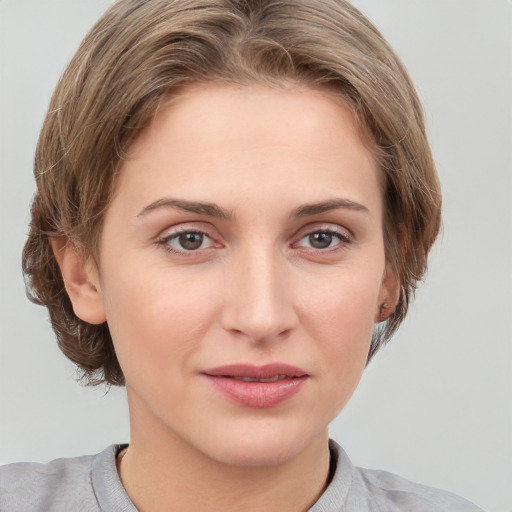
point(213, 210)
point(325, 206)
point(209, 209)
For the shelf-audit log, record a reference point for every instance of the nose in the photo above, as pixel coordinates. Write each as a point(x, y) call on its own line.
point(259, 300)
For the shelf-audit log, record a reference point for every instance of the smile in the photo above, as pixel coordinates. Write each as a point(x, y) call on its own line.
point(257, 386)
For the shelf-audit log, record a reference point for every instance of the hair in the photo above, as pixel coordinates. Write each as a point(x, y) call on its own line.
point(141, 53)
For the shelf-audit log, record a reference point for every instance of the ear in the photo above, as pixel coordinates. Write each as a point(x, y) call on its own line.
point(388, 295)
point(81, 280)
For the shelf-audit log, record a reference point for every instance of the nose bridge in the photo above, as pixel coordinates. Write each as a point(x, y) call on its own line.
point(259, 303)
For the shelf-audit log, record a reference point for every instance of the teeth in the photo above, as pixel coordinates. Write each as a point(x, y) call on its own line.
point(270, 379)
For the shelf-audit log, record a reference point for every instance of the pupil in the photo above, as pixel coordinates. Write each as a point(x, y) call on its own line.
point(191, 241)
point(320, 240)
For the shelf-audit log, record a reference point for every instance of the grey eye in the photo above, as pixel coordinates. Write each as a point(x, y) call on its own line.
point(321, 239)
point(186, 243)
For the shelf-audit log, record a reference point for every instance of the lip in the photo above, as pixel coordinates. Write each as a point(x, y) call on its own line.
point(260, 392)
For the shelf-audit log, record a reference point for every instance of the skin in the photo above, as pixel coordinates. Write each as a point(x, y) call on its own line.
point(257, 290)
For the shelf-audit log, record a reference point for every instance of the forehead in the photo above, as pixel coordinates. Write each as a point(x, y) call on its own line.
point(212, 105)
point(229, 138)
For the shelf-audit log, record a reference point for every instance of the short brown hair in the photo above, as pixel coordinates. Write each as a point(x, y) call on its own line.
point(140, 53)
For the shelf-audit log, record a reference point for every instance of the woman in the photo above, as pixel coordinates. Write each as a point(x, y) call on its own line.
point(235, 203)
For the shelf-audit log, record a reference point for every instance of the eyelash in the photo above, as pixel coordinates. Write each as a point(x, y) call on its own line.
point(165, 242)
point(343, 239)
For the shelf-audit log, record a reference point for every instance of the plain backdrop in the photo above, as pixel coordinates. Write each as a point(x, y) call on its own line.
point(436, 404)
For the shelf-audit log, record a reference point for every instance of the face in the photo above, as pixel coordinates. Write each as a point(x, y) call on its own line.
point(241, 270)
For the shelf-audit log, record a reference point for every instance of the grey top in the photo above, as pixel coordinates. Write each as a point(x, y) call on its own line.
point(91, 483)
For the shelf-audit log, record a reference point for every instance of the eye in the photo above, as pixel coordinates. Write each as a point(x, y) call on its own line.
point(186, 241)
point(324, 239)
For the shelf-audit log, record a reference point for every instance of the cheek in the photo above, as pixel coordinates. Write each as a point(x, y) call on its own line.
point(340, 328)
point(345, 301)
point(156, 320)
point(339, 318)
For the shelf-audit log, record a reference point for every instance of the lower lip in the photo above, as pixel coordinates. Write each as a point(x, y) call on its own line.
point(258, 394)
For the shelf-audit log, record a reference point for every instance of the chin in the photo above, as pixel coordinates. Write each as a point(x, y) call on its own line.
point(262, 447)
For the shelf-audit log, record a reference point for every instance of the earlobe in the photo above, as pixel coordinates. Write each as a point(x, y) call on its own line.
point(388, 296)
point(81, 280)
point(390, 287)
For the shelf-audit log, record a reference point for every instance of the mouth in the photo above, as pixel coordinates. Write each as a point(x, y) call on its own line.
point(252, 379)
point(270, 372)
point(257, 386)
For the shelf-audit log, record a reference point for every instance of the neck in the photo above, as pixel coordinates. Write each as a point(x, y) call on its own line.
point(160, 471)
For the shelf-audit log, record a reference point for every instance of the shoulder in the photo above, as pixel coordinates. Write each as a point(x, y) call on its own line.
point(354, 489)
point(60, 485)
point(392, 492)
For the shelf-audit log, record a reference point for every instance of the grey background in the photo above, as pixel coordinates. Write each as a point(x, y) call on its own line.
point(436, 404)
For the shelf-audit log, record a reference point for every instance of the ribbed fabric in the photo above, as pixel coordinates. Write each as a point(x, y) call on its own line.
point(108, 489)
point(92, 484)
point(355, 489)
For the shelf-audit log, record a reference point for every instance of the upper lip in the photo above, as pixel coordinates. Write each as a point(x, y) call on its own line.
point(266, 371)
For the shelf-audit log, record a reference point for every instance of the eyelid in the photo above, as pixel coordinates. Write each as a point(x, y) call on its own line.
point(325, 227)
point(187, 227)
point(164, 238)
point(344, 234)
